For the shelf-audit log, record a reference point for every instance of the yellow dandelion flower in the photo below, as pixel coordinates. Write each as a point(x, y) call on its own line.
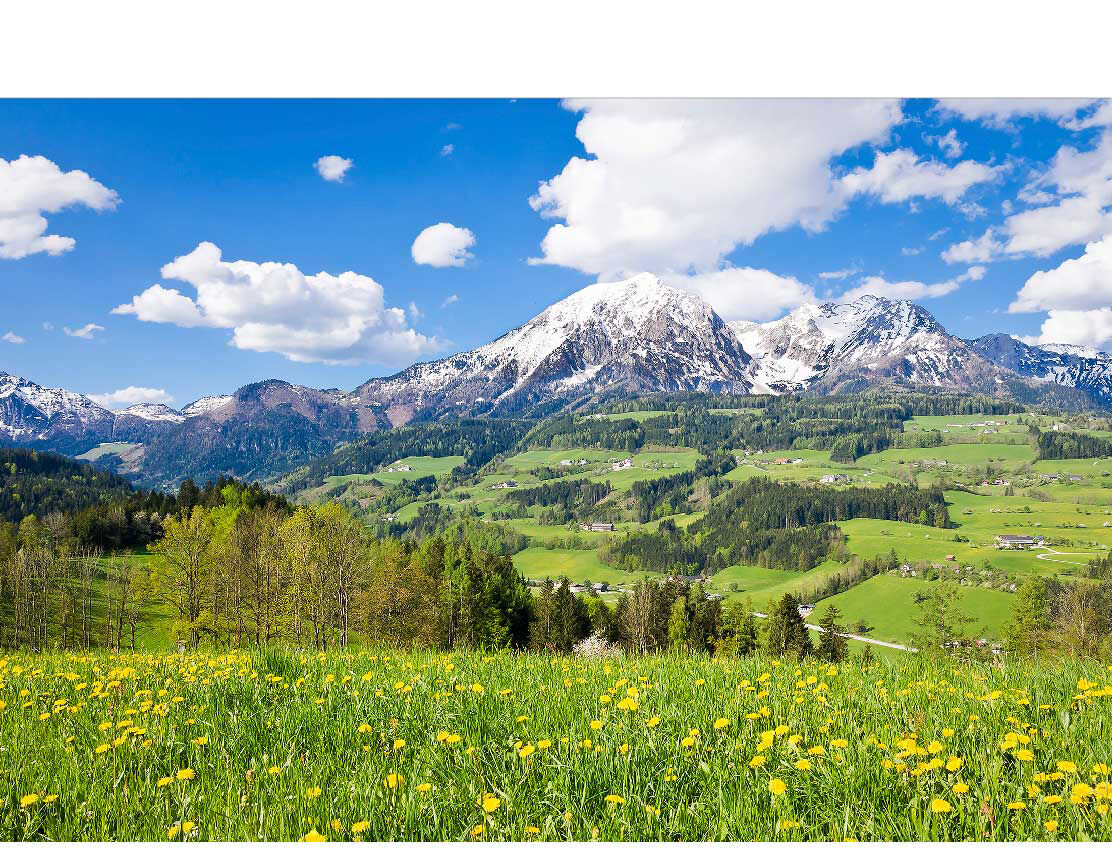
point(615, 799)
point(424, 788)
point(313, 792)
point(399, 744)
point(28, 800)
point(313, 837)
point(654, 721)
point(953, 764)
point(1016, 806)
point(543, 744)
point(274, 770)
point(803, 764)
point(961, 787)
point(777, 787)
point(1051, 826)
point(100, 749)
point(525, 751)
point(1067, 766)
point(758, 760)
point(201, 740)
point(488, 802)
point(393, 779)
point(477, 831)
point(941, 806)
point(721, 723)
point(186, 774)
point(1024, 754)
point(360, 826)
point(162, 782)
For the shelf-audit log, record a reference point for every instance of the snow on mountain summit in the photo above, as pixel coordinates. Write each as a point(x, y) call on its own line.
point(793, 352)
point(152, 413)
point(637, 335)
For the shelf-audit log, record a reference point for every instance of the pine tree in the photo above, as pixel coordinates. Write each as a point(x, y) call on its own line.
point(786, 633)
point(833, 647)
point(1029, 626)
point(677, 625)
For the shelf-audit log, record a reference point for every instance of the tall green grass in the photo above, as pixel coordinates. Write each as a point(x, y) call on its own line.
point(421, 746)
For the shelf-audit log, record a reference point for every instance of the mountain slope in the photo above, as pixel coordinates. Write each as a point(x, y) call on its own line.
point(1066, 365)
point(262, 430)
point(48, 417)
point(633, 336)
point(826, 346)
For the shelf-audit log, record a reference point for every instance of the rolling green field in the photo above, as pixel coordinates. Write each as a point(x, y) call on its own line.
point(388, 746)
point(577, 566)
point(1072, 510)
point(887, 604)
point(761, 586)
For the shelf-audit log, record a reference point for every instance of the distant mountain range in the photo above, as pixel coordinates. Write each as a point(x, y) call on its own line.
point(607, 340)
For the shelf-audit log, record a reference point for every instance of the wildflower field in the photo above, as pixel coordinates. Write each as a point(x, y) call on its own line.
point(371, 746)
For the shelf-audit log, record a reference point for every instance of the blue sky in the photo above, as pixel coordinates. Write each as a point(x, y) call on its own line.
point(751, 204)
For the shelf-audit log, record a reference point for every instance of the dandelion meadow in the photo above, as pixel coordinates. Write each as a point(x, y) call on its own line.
point(364, 746)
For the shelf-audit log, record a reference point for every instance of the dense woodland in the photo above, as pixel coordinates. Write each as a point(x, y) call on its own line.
point(777, 526)
point(478, 441)
point(1053, 445)
point(33, 482)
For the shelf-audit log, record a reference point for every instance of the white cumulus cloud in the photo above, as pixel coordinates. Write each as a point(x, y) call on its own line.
point(274, 307)
point(1080, 284)
point(333, 168)
point(443, 244)
point(12, 338)
point(900, 175)
point(876, 285)
point(744, 293)
point(675, 185)
point(1071, 204)
point(1002, 111)
point(1091, 328)
point(88, 331)
point(132, 395)
point(33, 185)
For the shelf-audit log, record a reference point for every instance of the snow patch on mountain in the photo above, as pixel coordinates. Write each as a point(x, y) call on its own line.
point(153, 413)
point(205, 404)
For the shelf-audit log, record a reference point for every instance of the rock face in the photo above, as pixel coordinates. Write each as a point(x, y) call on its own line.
point(50, 418)
point(632, 336)
point(872, 338)
point(1081, 368)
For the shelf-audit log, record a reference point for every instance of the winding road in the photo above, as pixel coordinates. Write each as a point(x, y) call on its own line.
point(1050, 554)
point(853, 637)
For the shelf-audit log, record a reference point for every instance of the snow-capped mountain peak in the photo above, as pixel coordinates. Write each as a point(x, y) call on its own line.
point(205, 404)
point(868, 334)
point(152, 413)
point(636, 335)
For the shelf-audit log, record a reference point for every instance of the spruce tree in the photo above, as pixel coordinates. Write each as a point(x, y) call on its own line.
point(786, 633)
point(833, 647)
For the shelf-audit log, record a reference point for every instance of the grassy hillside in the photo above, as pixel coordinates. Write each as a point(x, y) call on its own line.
point(389, 746)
